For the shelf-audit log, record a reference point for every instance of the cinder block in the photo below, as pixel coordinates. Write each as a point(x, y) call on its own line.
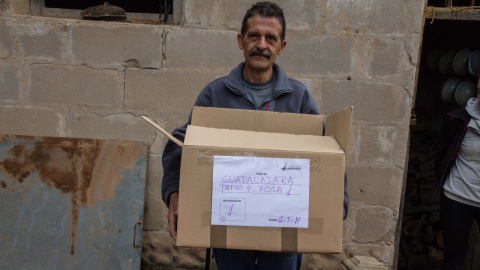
point(159, 249)
point(319, 55)
point(234, 16)
point(155, 209)
point(112, 126)
point(215, 50)
point(320, 261)
point(41, 40)
point(9, 86)
point(309, 11)
point(376, 144)
point(375, 185)
point(33, 121)
point(19, 7)
point(6, 40)
point(363, 263)
point(202, 13)
point(3, 6)
point(374, 224)
point(386, 59)
point(350, 157)
point(374, 17)
point(164, 92)
point(57, 84)
point(384, 56)
point(372, 102)
point(112, 44)
point(383, 252)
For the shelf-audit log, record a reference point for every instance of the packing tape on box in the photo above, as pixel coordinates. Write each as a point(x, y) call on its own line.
point(289, 239)
point(204, 158)
point(289, 236)
point(218, 236)
point(315, 225)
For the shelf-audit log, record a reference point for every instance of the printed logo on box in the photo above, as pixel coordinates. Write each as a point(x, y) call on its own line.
point(291, 167)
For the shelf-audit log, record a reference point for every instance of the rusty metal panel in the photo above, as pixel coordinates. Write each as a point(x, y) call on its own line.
point(71, 203)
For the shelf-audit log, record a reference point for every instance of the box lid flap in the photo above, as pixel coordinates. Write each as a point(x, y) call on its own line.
point(214, 137)
point(292, 123)
point(338, 125)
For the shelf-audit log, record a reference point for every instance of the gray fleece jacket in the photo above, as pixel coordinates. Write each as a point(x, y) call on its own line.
point(289, 95)
point(462, 183)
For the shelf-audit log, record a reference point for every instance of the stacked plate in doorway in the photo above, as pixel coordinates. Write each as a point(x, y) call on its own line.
point(474, 63)
point(464, 91)
point(455, 91)
point(460, 62)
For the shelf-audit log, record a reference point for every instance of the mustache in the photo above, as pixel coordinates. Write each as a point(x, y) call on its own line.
point(264, 53)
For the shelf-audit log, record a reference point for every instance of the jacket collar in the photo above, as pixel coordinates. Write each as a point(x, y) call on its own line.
point(462, 114)
point(234, 81)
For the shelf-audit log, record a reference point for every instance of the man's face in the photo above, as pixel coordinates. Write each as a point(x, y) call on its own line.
point(261, 43)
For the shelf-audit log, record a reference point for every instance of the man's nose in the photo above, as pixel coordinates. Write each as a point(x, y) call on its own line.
point(262, 43)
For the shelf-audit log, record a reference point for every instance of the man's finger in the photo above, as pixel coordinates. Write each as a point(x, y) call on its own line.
point(172, 223)
point(173, 214)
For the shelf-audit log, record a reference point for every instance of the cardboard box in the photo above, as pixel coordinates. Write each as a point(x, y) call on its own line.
point(233, 132)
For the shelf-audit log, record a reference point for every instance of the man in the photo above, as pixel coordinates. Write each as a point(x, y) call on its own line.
point(256, 84)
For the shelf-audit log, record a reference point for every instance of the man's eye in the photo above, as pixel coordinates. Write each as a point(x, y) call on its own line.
point(271, 37)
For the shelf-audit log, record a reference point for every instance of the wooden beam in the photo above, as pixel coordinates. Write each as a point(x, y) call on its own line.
point(453, 13)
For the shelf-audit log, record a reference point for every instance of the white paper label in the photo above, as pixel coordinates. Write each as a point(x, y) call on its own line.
point(257, 191)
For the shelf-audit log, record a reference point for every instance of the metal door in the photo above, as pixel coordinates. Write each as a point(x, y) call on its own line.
point(71, 203)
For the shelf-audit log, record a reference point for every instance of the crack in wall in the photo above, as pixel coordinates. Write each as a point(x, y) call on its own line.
point(164, 47)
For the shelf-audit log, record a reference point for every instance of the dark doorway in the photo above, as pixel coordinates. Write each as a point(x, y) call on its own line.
point(421, 244)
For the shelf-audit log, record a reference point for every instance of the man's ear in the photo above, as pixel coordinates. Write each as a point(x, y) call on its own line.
point(239, 40)
point(284, 44)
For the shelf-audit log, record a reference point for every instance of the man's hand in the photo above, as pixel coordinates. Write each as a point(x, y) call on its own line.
point(173, 215)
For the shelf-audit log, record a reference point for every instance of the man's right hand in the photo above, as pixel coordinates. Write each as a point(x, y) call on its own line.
point(173, 215)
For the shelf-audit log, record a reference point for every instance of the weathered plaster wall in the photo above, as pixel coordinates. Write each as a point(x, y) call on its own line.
point(71, 78)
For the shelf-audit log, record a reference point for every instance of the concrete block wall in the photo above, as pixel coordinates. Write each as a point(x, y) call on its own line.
point(73, 78)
